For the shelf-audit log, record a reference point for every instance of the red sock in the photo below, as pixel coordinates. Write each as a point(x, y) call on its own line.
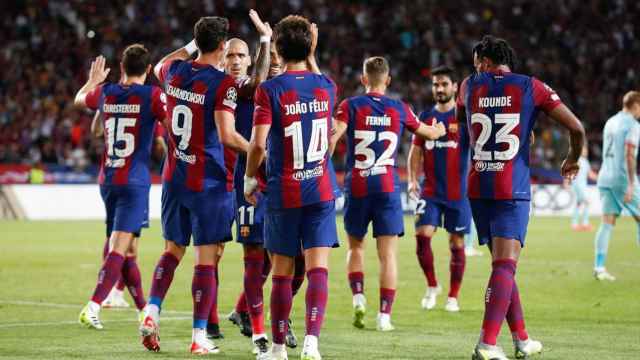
point(131, 276)
point(456, 268)
point(203, 290)
point(386, 300)
point(316, 299)
point(356, 282)
point(107, 276)
point(281, 301)
point(298, 275)
point(425, 258)
point(213, 313)
point(497, 299)
point(253, 266)
point(120, 284)
point(241, 303)
point(515, 316)
point(162, 278)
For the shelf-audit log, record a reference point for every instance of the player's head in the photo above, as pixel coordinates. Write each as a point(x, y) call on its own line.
point(631, 103)
point(237, 59)
point(375, 72)
point(444, 84)
point(293, 38)
point(275, 65)
point(492, 52)
point(135, 60)
point(210, 33)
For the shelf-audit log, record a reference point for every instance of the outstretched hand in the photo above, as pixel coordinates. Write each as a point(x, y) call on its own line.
point(314, 38)
point(98, 73)
point(264, 29)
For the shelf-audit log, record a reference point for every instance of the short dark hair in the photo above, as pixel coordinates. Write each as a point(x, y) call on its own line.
point(376, 68)
point(444, 70)
point(209, 32)
point(293, 38)
point(135, 60)
point(497, 50)
point(630, 98)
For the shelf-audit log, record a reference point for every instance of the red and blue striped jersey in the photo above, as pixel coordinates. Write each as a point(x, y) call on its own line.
point(194, 92)
point(298, 105)
point(129, 114)
point(445, 160)
point(374, 128)
point(501, 108)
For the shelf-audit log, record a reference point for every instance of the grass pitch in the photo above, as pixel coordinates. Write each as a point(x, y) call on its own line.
point(48, 271)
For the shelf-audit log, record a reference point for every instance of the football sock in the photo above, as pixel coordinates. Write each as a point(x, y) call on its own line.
point(638, 233)
point(298, 275)
point(602, 244)
point(575, 221)
point(356, 282)
point(425, 258)
point(281, 300)
point(585, 214)
point(471, 237)
point(131, 277)
point(253, 292)
point(107, 277)
point(213, 313)
point(316, 299)
point(121, 283)
point(386, 300)
point(515, 316)
point(203, 290)
point(162, 278)
point(241, 303)
point(456, 267)
point(497, 299)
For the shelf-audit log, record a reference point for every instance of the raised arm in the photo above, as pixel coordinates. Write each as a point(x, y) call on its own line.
point(183, 53)
point(261, 69)
point(563, 116)
point(97, 75)
point(311, 60)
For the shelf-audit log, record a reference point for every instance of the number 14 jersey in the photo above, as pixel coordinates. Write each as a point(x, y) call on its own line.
point(501, 108)
point(374, 128)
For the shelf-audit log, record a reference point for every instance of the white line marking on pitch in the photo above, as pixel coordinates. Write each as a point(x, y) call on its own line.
point(54, 323)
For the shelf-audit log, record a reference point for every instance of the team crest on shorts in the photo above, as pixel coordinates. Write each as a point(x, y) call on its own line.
point(453, 128)
point(245, 231)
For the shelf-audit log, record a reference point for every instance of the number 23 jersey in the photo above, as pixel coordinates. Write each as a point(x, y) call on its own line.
point(194, 92)
point(501, 108)
point(374, 128)
point(298, 105)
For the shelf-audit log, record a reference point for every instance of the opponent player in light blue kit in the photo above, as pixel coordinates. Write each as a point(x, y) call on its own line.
point(580, 221)
point(617, 181)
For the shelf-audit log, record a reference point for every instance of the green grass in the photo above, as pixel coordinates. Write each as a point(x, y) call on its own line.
point(576, 317)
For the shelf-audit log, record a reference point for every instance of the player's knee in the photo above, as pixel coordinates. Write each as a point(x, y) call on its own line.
point(456, 241)
point(175, 250)
point(427, 231)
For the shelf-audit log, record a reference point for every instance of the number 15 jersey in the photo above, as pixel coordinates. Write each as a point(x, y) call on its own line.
point(501, 108)
point(375, 124)
point(194, 91)
point(298, 105)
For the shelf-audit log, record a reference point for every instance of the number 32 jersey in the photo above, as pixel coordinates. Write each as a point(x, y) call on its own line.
point(194, 91)
point(298, 105)
point(129, 114)
point(374, 127)
point(501, 108)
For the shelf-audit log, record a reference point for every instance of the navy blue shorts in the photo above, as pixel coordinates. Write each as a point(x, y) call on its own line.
point(384, 210)
point(454, 215)
point(287, 231)
point(249, 220)
point(127, 207)
point(207, 215)
point(501, 218)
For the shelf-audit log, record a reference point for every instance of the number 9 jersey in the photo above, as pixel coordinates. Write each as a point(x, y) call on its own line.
point(501, 108)
point(298, 105)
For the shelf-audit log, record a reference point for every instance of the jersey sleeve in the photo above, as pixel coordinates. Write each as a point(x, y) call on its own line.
point(164, 70)
point(342, 113)
point(544, 97)
point(262, 113)
point(227, 95)
point(158, 103)
point(92, 99)
point(412, 123)
point(633, 136)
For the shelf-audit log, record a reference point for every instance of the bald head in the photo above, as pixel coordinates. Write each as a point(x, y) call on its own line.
point(237, 59)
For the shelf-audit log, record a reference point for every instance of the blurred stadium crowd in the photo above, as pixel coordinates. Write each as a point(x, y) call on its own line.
point(586, 50)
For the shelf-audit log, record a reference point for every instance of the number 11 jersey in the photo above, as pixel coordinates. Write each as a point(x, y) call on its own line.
point(375, 124)
point(501, 108)
point(298, 105)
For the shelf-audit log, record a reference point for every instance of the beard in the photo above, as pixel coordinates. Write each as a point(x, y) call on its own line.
point(443, 98)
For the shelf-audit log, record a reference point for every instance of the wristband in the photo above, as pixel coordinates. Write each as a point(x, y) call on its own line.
point(250, 184)
point(191, 47)
point(265, 39)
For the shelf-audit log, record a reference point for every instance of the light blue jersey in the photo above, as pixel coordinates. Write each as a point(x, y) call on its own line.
point(621, 129)
point(583, 173)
